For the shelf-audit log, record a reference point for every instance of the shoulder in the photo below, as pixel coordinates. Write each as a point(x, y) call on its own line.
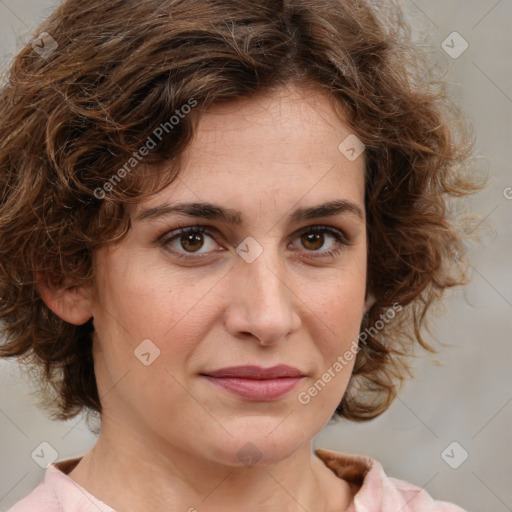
point(419, 500)
point(374, 490)
point(39, 500)
point(59, 493)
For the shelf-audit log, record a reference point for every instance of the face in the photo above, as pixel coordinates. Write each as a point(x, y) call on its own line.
point(263, 278)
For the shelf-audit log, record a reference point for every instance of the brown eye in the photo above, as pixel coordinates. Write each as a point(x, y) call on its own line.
point(189, 241)
point(313, 241)
point(192, 242)
point(322, 241)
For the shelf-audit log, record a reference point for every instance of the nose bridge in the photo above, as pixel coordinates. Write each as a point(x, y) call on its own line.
point(264, 304)
point(265, 281)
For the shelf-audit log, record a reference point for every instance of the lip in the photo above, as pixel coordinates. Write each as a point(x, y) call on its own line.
point(256, 383)
point(256, 372)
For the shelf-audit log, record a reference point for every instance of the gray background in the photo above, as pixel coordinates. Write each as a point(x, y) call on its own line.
point(468, 397)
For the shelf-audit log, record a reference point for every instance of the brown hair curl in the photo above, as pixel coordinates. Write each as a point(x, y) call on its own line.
point(68, 121)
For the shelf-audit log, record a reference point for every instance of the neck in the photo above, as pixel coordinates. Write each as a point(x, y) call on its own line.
point(131, 473)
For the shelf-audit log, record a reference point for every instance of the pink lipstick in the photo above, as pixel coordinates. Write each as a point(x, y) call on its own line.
point(256, 383)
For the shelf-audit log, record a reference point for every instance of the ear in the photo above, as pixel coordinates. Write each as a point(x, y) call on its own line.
point(69, 302)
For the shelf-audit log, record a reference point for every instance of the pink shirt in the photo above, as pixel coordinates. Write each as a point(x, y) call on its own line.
point(375, 491)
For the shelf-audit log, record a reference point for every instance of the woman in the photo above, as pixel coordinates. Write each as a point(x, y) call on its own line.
point(223, 223)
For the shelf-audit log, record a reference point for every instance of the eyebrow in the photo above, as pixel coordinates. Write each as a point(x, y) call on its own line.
point(234, 217)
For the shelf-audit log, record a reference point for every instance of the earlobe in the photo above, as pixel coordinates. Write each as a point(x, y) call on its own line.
point(69, 302)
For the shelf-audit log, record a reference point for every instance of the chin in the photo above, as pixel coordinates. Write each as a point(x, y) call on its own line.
point(256, 447)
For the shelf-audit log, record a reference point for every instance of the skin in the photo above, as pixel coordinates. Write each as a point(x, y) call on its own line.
point(170, 439)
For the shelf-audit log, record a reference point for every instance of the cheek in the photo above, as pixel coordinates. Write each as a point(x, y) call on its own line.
point(338, 306)
point(137, 301)
point(134, 297)
point(140, 323)
point(335, 319)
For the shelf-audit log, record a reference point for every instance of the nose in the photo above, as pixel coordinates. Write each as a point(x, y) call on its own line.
point(262, 303)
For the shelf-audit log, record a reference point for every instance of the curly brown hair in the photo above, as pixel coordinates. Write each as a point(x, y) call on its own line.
point(70, 119)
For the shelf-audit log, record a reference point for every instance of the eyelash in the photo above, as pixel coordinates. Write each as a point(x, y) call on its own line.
point(342, 241)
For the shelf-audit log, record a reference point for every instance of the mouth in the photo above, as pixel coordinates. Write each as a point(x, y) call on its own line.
point(255, 383)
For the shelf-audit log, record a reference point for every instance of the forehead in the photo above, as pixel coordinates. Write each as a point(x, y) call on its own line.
point(304, 119)
point(280, 146)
